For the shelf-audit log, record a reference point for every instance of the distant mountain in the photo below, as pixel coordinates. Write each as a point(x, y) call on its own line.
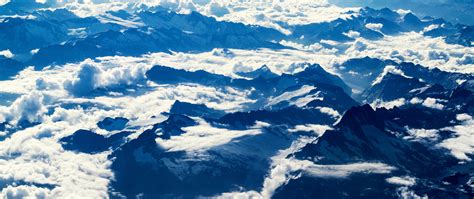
point(196, 23)
point(22, 35)
point(392, 87)
point(9, 68)
point(262, 72)
point(373, 24)
point(360, 74)
point(195, 110)
point(313, 74)
point(332, 91)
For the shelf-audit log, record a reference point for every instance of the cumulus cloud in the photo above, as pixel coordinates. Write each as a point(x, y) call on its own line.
point(85, 81)
point(427, 51)
point(405, 193)
point(463, 117)
point(438, 55)
point(34, 156)
point(422, 134)
point(264, 13)
point(24, 191)
point(433, 103)
point(28, 108)
point(429, 102)
point(6, 53)
point(92, 76)
point(416, 100)
point(217, 9)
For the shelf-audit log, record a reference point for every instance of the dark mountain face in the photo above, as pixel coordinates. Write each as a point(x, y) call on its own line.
point(195, 110)
point(366, 135)
point(89, 142)
point(392, 87)
point(360, 73)
point(113, 124)
point(290, 116)
point(172, 126)
point(140, 162)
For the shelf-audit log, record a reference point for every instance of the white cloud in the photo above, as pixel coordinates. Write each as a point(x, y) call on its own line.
point(85, 81)
point(34, 156)
point(463, 117)
point(284, 169)
point(264, 13)
point(203, 137)
point(430, 27)
point(329, 111)
point(315, 128)
point(374, 26)
point(429, 102)
point(389, 69)
point(24, 192)
point(6, 53)
point(100, 75)
point(352, 34)
point(422, 134)
point(282, 172)
point(405, 193)
point(342, 171)
point(299, 97)
point(463, 143)
point(416, 100)
point(390, 104)
point(240, 195)
point(270, 13)
point(404, 181)
point(26, 108)
point(433, 103)
point(395, 48)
